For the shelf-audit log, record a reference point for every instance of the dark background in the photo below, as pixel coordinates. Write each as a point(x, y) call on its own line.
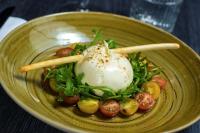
point(13, 119)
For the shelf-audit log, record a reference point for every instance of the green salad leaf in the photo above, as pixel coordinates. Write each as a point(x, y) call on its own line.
point(111, 43)
point(97, 36)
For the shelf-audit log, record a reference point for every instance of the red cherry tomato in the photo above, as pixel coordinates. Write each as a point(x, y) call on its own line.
point(145, 100)
point(71, 100)
point(63, 52)
point(110, 108)
point(160, 81)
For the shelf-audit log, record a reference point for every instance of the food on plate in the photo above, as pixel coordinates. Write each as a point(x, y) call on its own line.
point(104, 80)
point(110, 108)
point(102, 67)
point(52, 84)
point(64, 52)
point(129, 107)
point(152, 88)
point(160, 81)
point(145, 100)
point(71, 100)
point(88, 105)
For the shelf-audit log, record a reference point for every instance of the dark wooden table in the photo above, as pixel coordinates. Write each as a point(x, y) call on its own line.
point(14, 119)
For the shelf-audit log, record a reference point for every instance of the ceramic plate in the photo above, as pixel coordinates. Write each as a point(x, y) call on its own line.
point(37, 40)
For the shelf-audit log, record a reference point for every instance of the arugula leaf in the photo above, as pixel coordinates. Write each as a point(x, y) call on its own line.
point(69, 90)
point(107, 92)
point(86, 91)
point(79, 78)
point(111, 43)
point(50, 74)
point(97, 36)
point(79, 48)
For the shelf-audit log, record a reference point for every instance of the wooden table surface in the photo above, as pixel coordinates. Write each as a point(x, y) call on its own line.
point(14, 119)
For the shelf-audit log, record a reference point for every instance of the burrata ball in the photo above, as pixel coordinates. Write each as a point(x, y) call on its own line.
point(102, 67)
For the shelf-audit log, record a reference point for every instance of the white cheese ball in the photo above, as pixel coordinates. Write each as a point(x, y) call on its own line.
point(102, 67)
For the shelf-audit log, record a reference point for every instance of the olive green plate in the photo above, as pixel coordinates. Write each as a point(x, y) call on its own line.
point(177, 107)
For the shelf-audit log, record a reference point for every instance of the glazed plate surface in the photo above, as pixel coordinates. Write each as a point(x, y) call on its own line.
point(37, 40)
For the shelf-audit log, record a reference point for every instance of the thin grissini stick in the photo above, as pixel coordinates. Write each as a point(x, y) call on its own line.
point(128, 50)
point(125, 50)
point(48, 63)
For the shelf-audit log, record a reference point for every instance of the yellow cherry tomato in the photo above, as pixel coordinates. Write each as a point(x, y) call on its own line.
point(52, 84)
point(152, 88)
point(129, 107)
point(88, 106)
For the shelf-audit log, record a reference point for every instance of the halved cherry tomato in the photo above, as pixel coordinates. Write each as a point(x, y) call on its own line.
point(63, 52)
point(161, 82)
point(71, 100)
point(152, 88)
point(145, 100)
point(110, 108)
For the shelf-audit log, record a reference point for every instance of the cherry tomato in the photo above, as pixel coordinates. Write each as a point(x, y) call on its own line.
point(129, 107)
point(145, 100)
point(88, 106)
point(110, 108)
point(71, 100)
point(52, 84)
point(161, 82)
point(152, 88)
point(63, 52)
